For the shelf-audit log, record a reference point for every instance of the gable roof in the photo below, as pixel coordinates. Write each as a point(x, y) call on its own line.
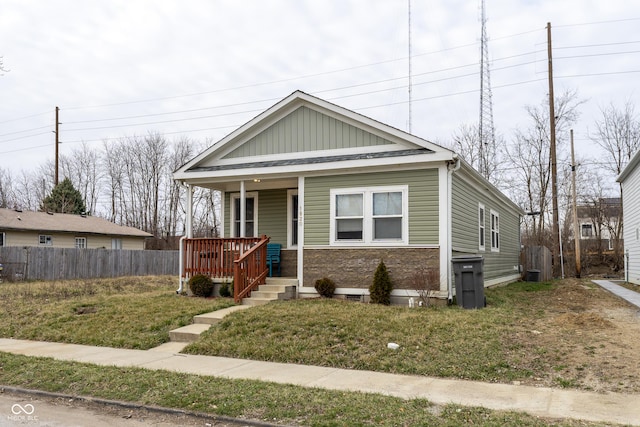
point(303, 133)
point(63, 223)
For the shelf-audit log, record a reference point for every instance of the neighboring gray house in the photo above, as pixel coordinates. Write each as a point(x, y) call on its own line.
point(629, 179)
point(340, 192)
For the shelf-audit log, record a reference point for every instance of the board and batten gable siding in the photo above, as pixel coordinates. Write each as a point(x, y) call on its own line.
point(423, 202)
point(306, 130)
point(631, 230)
point(465, 228)
point(272, 214)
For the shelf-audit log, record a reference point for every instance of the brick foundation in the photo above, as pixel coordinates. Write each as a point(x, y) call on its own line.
point(355, 267)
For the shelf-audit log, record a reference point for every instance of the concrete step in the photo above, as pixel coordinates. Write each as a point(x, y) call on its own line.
point(281, 281)
point(267, 294)
point(215, 316)
point(189, 333)
point(255, 301)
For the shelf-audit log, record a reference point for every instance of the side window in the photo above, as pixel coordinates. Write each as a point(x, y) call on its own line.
point(81, 243)
point(481, 227)
point(116, 243)
point(495, 231)
point(45, 240)
point(2, 239)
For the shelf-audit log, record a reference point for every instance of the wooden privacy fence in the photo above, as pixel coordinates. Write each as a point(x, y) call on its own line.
point(38, 263)
point(537, 258)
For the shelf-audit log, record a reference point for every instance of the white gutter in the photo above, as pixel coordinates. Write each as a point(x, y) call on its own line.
point(451, 168)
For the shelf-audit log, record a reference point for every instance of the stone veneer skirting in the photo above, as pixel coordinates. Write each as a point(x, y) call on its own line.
point(355, 267)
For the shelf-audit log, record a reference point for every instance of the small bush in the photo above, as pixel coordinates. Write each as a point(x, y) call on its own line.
point(325, 287)
point(225, 291)
point(201, 285)
point(380, 289)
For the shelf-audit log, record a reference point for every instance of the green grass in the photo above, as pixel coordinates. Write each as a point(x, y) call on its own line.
point(275, 403)
point(444, 342)
point(133, 312)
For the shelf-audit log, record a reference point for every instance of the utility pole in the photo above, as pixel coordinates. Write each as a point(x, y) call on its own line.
point(410, 82)
point(576, 227)
point(55, 179)
point(554, 167)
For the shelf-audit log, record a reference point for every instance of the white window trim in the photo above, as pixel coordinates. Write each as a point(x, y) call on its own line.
point(47, 238)
point(81, 239)
point(496, 230)
point(290, 194)
point(3, 239)
point(232, 214)
point(482, 223)
point(367, 231)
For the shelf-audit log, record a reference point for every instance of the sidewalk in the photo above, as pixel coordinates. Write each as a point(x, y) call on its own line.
point(537, 401)
point(630, 296)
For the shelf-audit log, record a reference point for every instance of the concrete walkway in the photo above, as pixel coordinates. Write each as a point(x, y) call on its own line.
point(630, 296)
point(537, 401)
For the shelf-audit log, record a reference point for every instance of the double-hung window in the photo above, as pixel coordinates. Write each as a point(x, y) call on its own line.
point(374, 215)
point(45, 240)
point(495, 231)
point(81, 243)
point(481, 227)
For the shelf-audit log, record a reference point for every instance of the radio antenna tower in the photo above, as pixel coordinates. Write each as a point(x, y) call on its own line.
point(486, 130)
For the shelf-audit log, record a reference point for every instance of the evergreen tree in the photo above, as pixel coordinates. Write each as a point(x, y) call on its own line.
point(380, 289)
point(64, 198)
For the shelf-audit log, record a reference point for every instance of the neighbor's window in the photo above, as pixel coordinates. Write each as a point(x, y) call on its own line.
point(481, 227)
point(45, 240)
point(495, 231)
point(116, 243)
point(586, 230)
point(81, 243)
point(369, 215)
point(2, 240)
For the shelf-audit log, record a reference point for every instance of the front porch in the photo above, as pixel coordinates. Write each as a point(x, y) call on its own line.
point(242, 260)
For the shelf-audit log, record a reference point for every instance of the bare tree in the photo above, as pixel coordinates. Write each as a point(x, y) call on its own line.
point(618, 134)
point(466, 142)
point(82, 167)
point(7, 192)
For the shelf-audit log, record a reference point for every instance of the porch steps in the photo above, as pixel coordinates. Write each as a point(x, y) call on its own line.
point(276, 288)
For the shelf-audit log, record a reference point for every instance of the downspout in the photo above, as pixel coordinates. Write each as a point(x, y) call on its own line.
point(188, 235)
point(451, 168)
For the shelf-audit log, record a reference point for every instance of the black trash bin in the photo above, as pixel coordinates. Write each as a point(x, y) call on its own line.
point(469, 278)
point(533, 275)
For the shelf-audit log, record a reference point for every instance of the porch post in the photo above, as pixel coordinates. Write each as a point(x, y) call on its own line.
point(189, 218)
point(243, 210)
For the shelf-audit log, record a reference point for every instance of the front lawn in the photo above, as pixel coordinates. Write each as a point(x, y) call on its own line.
point(129, 312)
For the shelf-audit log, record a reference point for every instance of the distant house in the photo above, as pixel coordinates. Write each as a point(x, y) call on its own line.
point(629, 179)
point(28, 228)
point(596, 220)
point(339, 192)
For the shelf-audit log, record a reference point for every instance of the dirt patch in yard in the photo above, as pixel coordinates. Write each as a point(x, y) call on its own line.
point(581, 336)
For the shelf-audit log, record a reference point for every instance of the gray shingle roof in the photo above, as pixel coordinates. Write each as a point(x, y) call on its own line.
point(313, 160)
point(42, 221)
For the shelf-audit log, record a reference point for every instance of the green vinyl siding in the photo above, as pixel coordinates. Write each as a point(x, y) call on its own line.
point(423, 202)
point(306, 130)
point(465, 227)
point(272, 215)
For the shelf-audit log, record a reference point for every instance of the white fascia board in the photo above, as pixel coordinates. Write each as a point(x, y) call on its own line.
point(635, 160)
point(351, 166)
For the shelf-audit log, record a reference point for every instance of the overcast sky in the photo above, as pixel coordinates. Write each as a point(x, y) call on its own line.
point(200, 68)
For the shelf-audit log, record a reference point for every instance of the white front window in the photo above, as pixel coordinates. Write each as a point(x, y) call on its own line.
point(374, 215)
point(251, 215)
point(81, 242)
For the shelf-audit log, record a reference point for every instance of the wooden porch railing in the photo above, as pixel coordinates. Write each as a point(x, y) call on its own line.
point(250, 270)
point(213, 256)
point(243, 258)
